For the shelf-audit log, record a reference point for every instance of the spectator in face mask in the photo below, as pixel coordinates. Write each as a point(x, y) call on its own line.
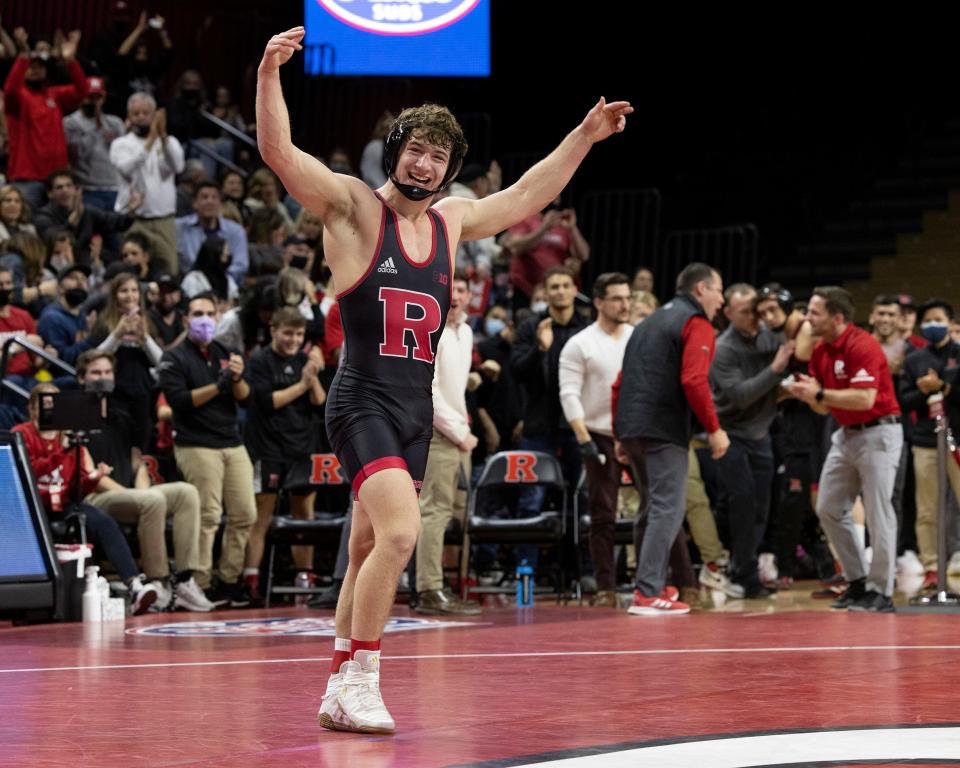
point(89, 134)
point(34, 112)
point(210, 272)
point(166, 315)
point(148, 161)
point(927, 372)
point(188, 124)
point(205, 222)
point(297, 253)
point(130, 497)
point(203, 382)
point(63, 325)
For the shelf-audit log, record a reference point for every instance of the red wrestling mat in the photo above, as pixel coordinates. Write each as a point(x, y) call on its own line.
point(552, 685)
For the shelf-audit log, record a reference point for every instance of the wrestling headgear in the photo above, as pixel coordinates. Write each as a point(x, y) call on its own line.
point(393, 144)
point(781, 295)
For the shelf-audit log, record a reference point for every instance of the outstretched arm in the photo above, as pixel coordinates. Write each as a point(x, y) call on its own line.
point(306, 178)
point(544, 181)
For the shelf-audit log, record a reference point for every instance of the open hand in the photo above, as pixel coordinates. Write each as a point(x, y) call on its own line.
point(281, 47)
point(605, 119)
point(545, 334)
point(69, 48)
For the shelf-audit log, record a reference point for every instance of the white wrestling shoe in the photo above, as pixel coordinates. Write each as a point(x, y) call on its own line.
point(357, 705)
point(330, 713)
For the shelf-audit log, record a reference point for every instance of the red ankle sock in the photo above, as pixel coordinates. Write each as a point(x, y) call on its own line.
point(363, 645)
point(341, 653)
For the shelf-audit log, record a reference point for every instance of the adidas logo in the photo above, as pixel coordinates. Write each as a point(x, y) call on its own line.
point(388, 267)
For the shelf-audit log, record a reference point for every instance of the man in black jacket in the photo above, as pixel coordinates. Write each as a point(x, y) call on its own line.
point(664, 386)
point(927, 372)
point(67, 211)
point(203, 382)
point(535, 360)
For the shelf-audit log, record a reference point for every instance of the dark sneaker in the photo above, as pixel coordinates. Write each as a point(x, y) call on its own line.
point(224, 595)
point(216, 597)
point(441, 602)
point(873, 602)
point(327, 599)
point(854, 591)
point(754, 589)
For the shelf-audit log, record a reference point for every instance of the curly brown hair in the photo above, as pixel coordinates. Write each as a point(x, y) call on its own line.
point(434, 124)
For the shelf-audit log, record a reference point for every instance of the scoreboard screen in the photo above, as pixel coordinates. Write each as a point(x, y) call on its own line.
point(429, 38)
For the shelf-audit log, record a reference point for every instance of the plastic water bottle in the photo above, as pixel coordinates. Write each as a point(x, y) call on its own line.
point(525, 585)
point(92, 602)
point(303, 580)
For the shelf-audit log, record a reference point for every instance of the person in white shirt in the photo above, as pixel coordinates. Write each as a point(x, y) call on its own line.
point(589, 365)
point(148, 161)
point(449, 452)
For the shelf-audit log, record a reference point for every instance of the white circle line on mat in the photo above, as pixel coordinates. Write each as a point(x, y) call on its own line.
point(505, 655)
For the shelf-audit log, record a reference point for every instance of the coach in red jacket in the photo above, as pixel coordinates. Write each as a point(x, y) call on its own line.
point(35, 111)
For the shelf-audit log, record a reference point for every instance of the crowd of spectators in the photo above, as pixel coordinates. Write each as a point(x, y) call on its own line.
point(143, 247)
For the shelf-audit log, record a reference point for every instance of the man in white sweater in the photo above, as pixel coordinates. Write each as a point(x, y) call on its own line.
point(449, 451)
point(589, 364)
point(148, 161)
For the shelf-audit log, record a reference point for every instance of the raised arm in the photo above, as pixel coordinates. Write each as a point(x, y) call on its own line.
point(544, 181)
point(319, 189)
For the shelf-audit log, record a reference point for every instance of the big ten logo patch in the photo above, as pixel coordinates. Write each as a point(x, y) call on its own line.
point(325, 470)
point(520, 468)
point(441, 277)
point(409, 316)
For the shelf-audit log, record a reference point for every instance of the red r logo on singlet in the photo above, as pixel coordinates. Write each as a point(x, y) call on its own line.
point(325, 470)
point(520, 468)
point(409, 311)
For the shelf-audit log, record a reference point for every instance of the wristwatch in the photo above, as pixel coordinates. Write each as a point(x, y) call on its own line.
point(819, 396)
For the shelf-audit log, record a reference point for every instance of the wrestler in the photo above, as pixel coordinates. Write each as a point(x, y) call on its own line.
point(391, 256)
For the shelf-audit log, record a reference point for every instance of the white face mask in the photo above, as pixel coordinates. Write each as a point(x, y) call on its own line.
point(538, 306)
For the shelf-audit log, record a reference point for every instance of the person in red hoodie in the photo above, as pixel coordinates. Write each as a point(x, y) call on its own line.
point(54, 467)
point(34, 110)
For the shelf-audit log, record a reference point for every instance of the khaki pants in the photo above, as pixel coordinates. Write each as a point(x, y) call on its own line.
point(440, 500)
point(703, 526)
point(162, 234)
point(928, 490)
point(148, 508)
point(224, 479)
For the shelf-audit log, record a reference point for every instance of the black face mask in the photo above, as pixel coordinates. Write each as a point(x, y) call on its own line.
point(88, 109)
point(141, 130)
point(298, 262)
point(75, 297)
point(5, 298)
point(100, 386)
point(190, 95)
point(34, 85)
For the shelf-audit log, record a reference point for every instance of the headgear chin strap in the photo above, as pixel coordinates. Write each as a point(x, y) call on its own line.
point(782, 296)
point(391, 151)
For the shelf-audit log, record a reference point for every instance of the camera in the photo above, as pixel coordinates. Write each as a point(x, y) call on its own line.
point(72, 410)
